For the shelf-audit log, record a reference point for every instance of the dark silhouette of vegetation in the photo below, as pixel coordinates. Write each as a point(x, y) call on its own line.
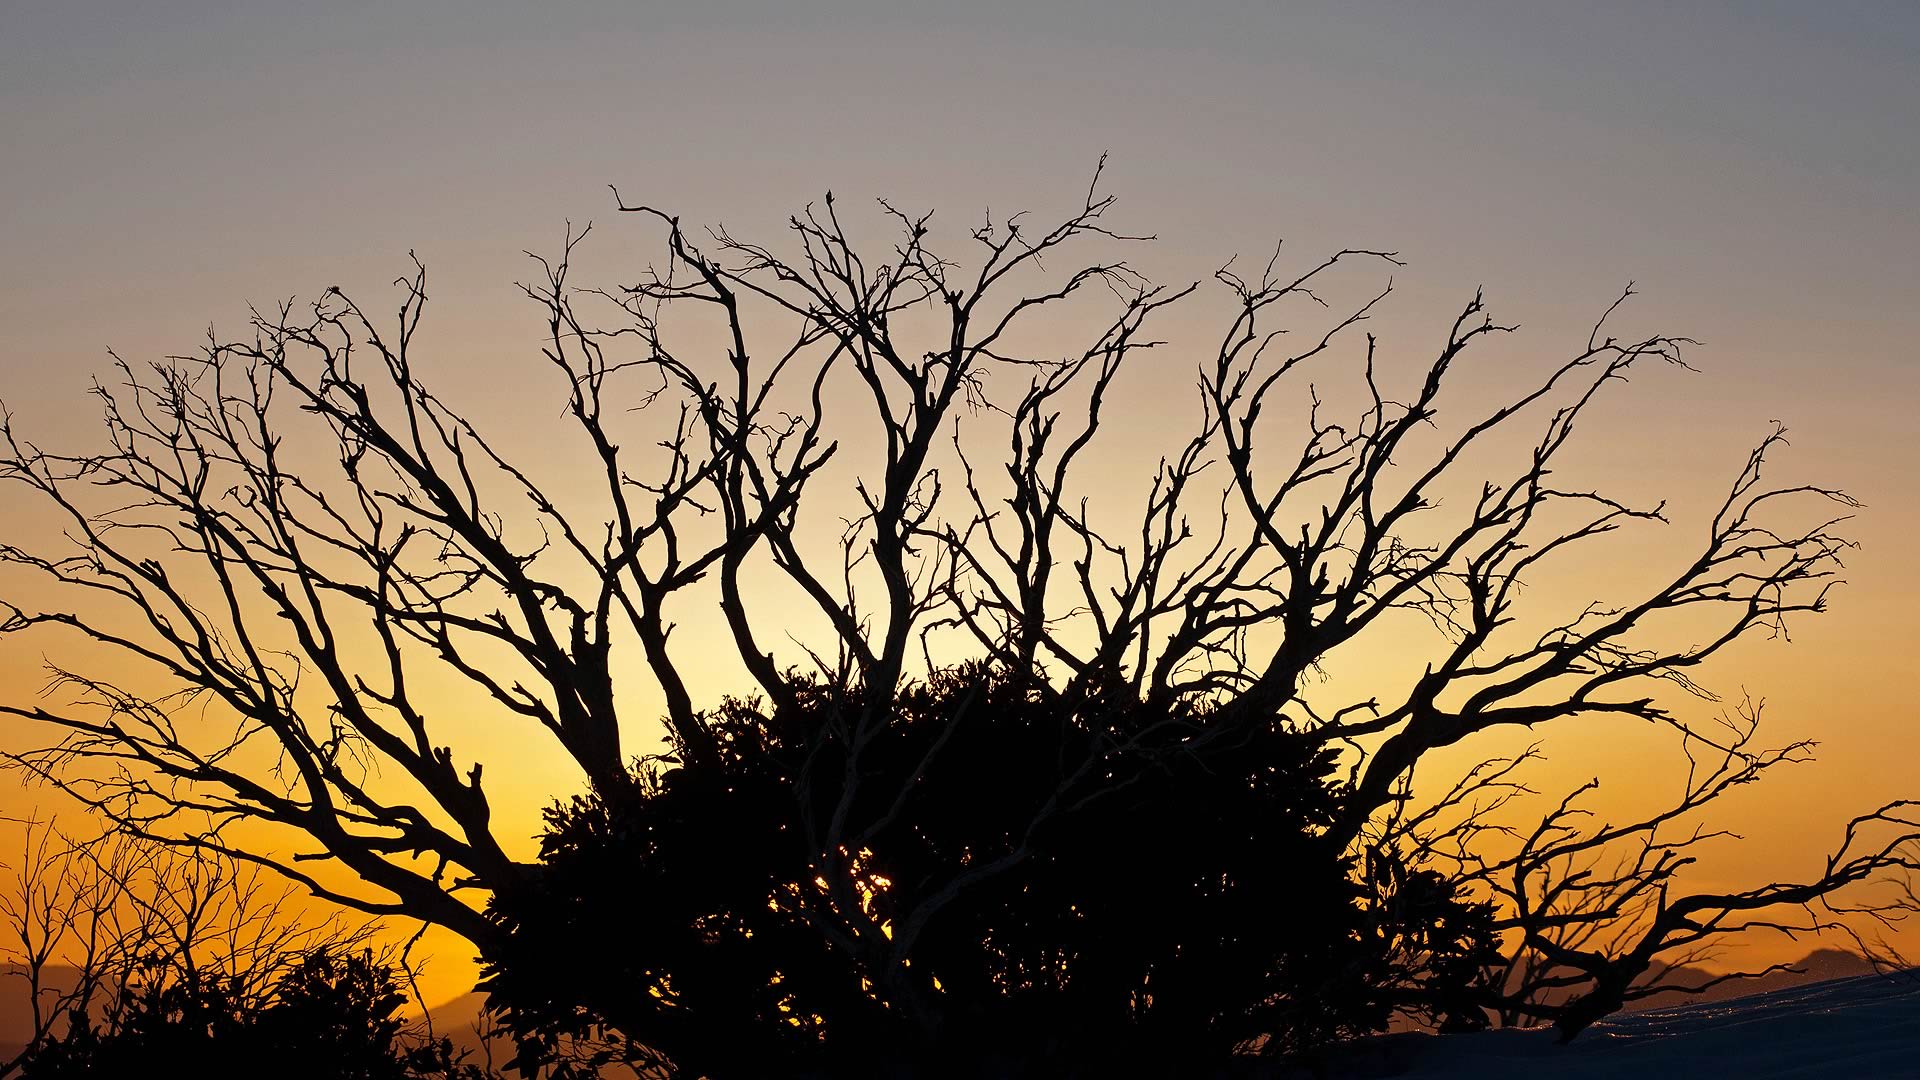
point(138, 960)
point(1059, 748)
point(1068, 886)
point(325, 1016)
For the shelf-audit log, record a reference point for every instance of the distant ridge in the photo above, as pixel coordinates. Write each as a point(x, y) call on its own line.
point(16, 1013)
point(1820, 965)
point(459, 1020)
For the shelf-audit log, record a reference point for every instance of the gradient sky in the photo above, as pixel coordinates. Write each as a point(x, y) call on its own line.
point(1754, 167)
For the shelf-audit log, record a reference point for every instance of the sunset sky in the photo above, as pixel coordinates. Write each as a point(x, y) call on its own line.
point(1754, 169)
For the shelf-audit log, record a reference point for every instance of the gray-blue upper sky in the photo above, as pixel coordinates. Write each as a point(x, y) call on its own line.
point(1755, 167)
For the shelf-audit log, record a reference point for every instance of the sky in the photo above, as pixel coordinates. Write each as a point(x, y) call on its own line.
point(1751, 167)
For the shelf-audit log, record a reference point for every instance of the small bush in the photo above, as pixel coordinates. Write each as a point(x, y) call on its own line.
point(332, 1016)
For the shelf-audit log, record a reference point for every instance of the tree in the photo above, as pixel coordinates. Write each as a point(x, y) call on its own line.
point(306, 596)
point(1175, 902)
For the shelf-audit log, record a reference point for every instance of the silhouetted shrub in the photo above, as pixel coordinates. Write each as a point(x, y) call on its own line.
point(324, 1016)
point(1059, 884)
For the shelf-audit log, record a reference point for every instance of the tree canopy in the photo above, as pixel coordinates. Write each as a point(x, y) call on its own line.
point(1020, 762)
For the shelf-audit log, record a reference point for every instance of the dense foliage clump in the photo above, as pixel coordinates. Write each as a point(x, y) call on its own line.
point(1056, 883)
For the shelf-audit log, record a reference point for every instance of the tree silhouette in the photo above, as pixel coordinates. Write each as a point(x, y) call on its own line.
point(1177, 901)
point(975, 692)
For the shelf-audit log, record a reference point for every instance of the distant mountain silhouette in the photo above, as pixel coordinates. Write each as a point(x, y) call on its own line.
point(16, 1013)
point(1817, 966)
point(459, 1020)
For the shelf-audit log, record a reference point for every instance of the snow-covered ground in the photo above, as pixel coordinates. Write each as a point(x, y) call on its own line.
point(1867, 1026)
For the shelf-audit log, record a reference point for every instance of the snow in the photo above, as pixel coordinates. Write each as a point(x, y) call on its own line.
point(1867, 1026)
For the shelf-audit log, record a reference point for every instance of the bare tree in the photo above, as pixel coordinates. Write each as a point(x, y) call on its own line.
point(1594, 910)
point(63, 928)
point(285, 536)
